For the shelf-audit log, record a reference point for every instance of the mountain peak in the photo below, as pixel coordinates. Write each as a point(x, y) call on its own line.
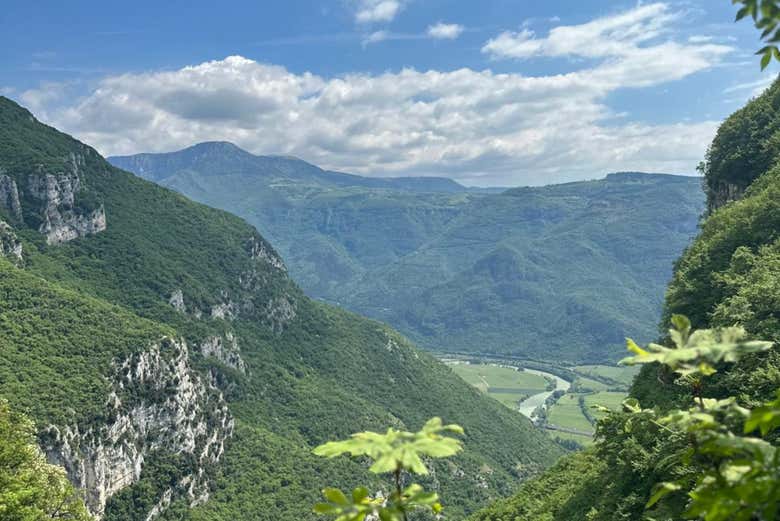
point(215, 147)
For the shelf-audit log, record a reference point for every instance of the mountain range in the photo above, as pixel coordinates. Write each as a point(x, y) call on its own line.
point(174, 369)
point(460, 269)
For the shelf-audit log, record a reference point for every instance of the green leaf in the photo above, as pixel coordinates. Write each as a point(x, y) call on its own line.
point(325, 508)
point(766, 59)
point(662, 490)
point(359, 495)
point(336, 496)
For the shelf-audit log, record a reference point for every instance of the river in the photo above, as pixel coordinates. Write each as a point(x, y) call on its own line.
point(528, 405)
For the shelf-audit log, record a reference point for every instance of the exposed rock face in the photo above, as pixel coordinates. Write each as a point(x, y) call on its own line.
point(52, 196)
point(10, 246)
point(226, 310)
point(158, 402)
point(225, 350)
point(722, 194)
point(62, 221)
point(258, 250)
point(9, 197)
point(177, 301)
point(279, 312)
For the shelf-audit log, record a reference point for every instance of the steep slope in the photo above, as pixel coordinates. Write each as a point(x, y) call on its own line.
point(729, 276)
point(462, 271)
point(176, 371)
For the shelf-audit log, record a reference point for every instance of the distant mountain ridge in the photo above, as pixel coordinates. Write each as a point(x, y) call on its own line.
point(455, 268)
point(234, 160)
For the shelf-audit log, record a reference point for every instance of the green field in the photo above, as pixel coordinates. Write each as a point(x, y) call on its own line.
point(620, 374)
point(582, 440)
point(583, 384)
point(611, 400)
point(566, 413)
point(507, 385)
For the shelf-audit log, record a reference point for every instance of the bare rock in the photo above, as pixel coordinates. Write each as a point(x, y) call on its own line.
point(158, 402)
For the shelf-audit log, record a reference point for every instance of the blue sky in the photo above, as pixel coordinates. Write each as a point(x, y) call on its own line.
point(502, 92)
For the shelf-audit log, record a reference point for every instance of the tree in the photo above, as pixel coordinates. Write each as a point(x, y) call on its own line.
point(394, 452)
point(766, 17)
point(30, 488)
point(738, 467)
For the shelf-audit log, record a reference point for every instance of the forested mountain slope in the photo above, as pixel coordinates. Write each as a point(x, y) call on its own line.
point(460, 270)
point(176, 371)
point(729, 276)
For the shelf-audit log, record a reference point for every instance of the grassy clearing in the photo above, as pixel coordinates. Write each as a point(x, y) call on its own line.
point(583, 384)
point(623, 375)
point(582, 440)
point(505, 384)
point(611, 400)
point(566, 413)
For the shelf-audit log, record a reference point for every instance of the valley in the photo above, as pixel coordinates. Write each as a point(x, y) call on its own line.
point(561, 402)
point(390, 260)
point(453, 267)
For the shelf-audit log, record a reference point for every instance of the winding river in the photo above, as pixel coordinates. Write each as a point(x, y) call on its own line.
point(528, 405)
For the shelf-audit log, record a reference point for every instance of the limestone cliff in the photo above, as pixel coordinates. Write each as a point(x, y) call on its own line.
point(9, 196)
point(55, 194)
point(721, 194)
point(157, 402)
point(51, 197)
point(10, 246)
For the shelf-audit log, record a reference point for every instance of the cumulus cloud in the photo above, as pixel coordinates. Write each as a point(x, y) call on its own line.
point(442, 31)
point(479, 127)
point(373, 11)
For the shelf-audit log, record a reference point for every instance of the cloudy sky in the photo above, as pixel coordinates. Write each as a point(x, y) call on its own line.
point(489, 92)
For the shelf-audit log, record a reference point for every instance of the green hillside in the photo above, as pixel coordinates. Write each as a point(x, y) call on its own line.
point(729, 276)
point(460, 270)
point(170, 362)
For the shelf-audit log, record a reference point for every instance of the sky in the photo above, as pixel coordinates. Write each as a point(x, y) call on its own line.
point(488, 92)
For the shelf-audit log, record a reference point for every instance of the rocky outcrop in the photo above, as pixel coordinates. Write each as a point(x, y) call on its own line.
point(10, 246)
point(721, 194)
point(61, 220)
point(9, 197)
point(226, 310)
point(225, 350)
point(158, 402)
point(177, 301)
point(52, 199)
point(279, 312)
point(258, 249)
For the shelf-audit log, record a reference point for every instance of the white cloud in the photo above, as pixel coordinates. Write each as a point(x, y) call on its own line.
point(444, 31)
point(373, 11)
point(375, 37)
point(700, 39)
point(634, 46)
point(477, 126)
point(754, 88)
